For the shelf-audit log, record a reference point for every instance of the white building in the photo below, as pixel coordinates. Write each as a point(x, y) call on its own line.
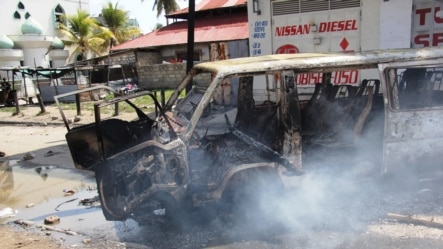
point(31, 26)
point(28, 39)
point(289, 26)
point(301, 26)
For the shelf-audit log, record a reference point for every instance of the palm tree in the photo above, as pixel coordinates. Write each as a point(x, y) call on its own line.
point(165, 5)
point(157, 26)
point(85, 35)
point(117, 21)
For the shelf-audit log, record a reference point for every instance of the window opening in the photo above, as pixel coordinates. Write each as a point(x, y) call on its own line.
point(17, 15)
point(59, 14)
point(20, 6)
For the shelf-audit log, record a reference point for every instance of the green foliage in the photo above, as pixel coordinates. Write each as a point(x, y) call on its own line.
point(85, 35)
point(143, 102)
point(158, 26)
point(11, 109)
point(167, 6)
point(117, 21)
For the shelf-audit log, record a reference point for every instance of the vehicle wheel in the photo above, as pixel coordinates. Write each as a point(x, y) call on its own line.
point(108, 194)
point(162, 210)
point(250, 199)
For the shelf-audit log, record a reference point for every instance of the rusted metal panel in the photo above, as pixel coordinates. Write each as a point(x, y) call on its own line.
point(218, 51)
point(319, 62)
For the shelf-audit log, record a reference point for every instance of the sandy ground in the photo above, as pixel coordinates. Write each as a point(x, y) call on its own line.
point(39, 135)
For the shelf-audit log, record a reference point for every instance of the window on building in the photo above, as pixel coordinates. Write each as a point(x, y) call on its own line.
point(27, 15)
point(20, 6)
point(17, 15)
point(59, 14)
point(182, 56)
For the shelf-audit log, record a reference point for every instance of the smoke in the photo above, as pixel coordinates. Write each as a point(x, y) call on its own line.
point(323, 202)
point(335, 196)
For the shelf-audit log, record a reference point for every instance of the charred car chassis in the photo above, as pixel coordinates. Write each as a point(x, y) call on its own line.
point(261, 119)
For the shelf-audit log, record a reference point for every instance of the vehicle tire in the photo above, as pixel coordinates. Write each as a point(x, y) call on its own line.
point(250, 199)
point(108, 193)
point(164, 210)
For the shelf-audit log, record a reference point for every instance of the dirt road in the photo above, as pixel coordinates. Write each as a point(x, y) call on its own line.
point(331, 208)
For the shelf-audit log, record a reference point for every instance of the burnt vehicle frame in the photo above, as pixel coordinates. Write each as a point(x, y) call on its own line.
point(198, 150)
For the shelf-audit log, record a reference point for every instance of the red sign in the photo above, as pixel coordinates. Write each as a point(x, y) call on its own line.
point(287, 49)
point(430, 38)
point(343, 77)
point(323, 27)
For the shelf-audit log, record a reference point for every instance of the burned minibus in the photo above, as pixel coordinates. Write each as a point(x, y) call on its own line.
point(261, 122)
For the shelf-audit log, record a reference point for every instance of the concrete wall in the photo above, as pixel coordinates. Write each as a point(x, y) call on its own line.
point(148, 58)
point(395, 24)
point(152, 74)
point(161, 76)
point(166, 76)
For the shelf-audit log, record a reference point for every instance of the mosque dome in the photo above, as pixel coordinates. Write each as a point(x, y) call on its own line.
point(57, 43)
point(5, 42)
point(31, 26)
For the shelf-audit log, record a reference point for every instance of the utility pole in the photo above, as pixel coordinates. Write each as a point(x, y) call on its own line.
point(190, 47)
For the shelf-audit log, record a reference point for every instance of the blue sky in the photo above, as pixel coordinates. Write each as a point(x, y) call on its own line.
point(142, 11)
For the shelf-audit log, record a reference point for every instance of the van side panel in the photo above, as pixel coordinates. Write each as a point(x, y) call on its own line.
point(413, 138)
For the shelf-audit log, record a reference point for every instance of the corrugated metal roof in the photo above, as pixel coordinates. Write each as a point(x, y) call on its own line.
point(211, 4)
point(232, 27)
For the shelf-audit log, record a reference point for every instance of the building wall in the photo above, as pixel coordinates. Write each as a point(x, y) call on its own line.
point(427, 28)
point(121, 58)
point(378, 24)
point(154, 74)
point(395, 24)
point(161, 76)
point(148, 58)
point(170, 52)
point(41, 11)
point(35, 46)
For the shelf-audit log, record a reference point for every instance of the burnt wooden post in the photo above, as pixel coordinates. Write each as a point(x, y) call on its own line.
point(14, 92)
point(77, 96)
point(163, 101)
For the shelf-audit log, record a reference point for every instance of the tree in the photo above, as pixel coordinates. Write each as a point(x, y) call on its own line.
point(165, 5)
point(85, 35)
point(117, 21)
point(158, 26)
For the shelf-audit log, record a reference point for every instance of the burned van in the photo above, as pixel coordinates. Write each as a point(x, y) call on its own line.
point(262, 122)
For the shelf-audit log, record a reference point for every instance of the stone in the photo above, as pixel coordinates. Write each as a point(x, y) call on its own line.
point(51, 220)
point(28, 156)
point(77, 119)
point(29, 205)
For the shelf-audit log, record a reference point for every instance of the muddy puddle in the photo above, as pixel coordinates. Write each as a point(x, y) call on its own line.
point(35, 193)
point(22, 185)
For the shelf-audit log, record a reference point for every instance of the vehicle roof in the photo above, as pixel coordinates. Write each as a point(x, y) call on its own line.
point(318, 61)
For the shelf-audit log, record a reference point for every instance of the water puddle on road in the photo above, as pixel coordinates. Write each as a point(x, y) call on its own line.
point(37, 192)
point(21, 186)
